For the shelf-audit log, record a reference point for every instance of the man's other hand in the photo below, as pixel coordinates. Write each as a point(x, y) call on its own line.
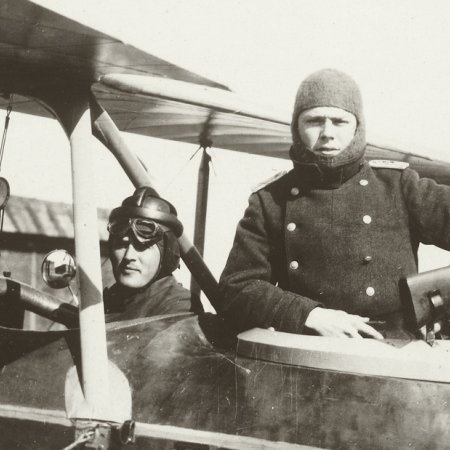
point(337, 323)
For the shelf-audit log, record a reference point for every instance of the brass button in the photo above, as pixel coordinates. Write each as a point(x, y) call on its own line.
point(363, 182)
point(370, 291)
point(367, 259)
point(291, 226)
point(367, 219)
point(293, 265)
point(295, 191)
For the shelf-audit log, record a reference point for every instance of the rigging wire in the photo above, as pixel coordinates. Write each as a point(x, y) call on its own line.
point(3, 182)
point(86, 436)
point(5, 129)
point(2, 216)
point(205, 142)
point(181, 169)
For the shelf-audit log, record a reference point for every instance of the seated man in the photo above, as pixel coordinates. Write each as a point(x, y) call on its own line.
point(321, 249)
point(144, 252)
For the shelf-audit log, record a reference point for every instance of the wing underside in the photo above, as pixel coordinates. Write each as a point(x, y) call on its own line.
point(37, 40)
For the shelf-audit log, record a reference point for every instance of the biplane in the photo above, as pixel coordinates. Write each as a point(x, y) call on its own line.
point(183, 381)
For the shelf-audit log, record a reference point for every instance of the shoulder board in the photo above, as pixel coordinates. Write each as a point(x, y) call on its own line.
point(270, 180)
point(388, 164)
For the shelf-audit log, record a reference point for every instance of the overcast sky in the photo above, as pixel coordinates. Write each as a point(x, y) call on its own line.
point(398, 51)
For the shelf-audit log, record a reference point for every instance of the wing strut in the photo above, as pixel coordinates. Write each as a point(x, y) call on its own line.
point(93, 398)
point(201, 210)
point(108, 134)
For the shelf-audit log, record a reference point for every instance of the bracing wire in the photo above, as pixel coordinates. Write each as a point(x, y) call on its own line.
point(2, 150)
point(181, 169)
point(5, 129)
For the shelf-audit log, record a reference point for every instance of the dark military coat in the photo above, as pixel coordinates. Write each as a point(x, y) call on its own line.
point(298, 247)
point(164, 296)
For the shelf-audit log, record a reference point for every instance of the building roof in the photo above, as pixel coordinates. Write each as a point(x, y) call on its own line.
point(54, 219)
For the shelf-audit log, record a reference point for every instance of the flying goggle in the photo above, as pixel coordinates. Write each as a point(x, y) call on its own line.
point(146, 231)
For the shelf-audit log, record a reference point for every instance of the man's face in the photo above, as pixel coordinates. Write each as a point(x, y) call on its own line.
point(326, 130)
point(134, 265)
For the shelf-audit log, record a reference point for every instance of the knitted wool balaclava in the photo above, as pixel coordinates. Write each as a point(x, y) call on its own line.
point(329, 87)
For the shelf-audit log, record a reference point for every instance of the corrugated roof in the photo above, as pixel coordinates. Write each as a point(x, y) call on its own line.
point(54, 219)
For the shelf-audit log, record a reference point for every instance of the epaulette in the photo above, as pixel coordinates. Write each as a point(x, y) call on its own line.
point(270, 180)
point(388, 164)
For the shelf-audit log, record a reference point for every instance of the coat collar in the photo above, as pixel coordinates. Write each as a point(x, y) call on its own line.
point(311, 176)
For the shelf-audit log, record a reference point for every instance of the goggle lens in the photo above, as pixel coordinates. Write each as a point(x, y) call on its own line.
point(145, 230)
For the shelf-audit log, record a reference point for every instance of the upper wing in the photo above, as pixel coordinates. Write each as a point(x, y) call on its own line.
point(199, 114)
point(192, 113)
point(145, 94)
point(37, 41)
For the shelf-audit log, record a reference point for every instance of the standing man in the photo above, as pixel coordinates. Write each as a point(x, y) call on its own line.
point(321, 248)
point(144, 252)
